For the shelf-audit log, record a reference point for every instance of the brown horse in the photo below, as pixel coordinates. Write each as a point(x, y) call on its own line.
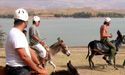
point(53, 50)
point(97, 48)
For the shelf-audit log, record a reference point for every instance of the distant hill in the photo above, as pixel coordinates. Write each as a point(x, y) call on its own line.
point(48, 13)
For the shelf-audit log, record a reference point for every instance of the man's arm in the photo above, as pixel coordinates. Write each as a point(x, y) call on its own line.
point(34, 57)
point(36, 38)
point(27, 60)
point(104, 32)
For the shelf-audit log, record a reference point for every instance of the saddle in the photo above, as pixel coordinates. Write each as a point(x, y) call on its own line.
point(99, 46)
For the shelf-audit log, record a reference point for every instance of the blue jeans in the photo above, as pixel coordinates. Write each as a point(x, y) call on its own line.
point(17, 70)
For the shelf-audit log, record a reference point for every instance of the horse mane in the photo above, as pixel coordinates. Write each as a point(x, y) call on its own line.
point(54, 45)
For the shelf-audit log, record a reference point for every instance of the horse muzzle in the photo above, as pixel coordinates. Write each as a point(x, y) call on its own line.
point(68, 53)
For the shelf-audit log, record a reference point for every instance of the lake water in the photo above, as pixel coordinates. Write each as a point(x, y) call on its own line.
point(74, 32)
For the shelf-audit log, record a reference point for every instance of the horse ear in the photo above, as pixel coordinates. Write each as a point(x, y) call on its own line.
point(59, 40)
point(119, 33)
point(72, 69)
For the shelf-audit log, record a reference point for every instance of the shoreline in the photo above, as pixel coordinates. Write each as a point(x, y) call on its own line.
point(30, 17)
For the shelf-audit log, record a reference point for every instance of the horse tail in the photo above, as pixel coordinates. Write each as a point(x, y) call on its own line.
point(88, 51)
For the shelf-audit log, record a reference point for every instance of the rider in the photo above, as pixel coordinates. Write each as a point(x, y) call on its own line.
point(35, 39)
point(104, 38)
point(19, 56)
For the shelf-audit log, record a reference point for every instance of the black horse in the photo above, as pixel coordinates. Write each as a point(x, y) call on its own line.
point(98, 48)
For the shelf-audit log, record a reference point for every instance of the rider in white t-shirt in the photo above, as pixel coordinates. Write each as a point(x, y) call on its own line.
point(15, 40)
point(19, 56)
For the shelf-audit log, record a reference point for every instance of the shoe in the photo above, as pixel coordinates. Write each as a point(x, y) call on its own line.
point(109, 62)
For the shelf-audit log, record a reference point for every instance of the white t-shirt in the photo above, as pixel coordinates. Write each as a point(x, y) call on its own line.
point(15, 39)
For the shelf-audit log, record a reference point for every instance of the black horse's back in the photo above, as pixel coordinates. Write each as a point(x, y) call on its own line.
point(92, 46)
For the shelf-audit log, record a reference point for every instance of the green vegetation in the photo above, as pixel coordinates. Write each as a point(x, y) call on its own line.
point(88, 15)
point(6, 16)
point(2, 39)
point(82, 15)
point(110, 15)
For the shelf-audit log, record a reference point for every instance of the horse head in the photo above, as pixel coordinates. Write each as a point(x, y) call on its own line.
point(64, 47)
point(119, 40)
point(123, 41)
point(121, 37)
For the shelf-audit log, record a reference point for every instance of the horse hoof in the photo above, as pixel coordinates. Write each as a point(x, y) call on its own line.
point(116, 68)
point(91, 68)
point(104, 67)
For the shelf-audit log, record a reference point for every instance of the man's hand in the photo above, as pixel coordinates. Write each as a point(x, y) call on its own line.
point(42, 71)
point(43, 43)
point(110, 35)
point(40, 67)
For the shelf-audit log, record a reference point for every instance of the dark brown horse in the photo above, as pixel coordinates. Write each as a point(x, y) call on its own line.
point(104, 50)
point(71, 70)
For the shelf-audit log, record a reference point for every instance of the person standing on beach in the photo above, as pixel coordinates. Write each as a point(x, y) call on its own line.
point(36, 41)
point(19, 56)
point(104, 39)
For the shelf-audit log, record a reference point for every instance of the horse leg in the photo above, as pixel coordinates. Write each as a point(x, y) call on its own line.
point(90, 60)
point(115, 64)
point(54, 66)
point(45, 64)
point(105, 58)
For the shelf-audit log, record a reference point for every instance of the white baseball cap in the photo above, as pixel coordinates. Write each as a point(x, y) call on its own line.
point(21, 14)
point(107, 19)
point(36, 18)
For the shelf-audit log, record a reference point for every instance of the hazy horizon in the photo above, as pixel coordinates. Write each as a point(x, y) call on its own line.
point(47, 4)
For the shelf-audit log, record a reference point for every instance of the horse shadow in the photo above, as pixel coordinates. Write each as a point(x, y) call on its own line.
point(77, 67)
point(98, 67)
point(119, 66)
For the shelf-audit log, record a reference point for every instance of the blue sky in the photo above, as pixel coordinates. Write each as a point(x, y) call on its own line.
point(45, 4)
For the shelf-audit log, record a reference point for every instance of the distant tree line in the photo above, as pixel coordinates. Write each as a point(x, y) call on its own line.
point(110, 15)
point(6, 16)
point(75, 15)
point(2, 38)
point(88, 15)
